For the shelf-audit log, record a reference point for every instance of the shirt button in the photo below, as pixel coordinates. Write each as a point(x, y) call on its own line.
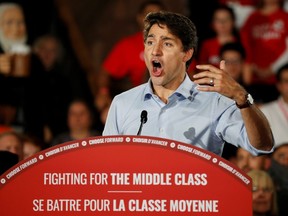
point(161, 130)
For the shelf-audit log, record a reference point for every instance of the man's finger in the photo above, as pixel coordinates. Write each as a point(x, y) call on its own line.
point(222, 65)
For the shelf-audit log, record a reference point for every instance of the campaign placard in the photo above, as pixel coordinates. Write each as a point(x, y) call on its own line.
point(125, 175)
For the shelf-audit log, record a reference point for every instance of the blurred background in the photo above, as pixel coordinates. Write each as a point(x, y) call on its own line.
point(88, 29)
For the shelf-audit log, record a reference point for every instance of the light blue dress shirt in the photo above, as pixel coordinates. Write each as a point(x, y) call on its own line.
point(202, 119)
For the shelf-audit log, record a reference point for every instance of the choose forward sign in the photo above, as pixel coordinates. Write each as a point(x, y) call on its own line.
point(125, 175)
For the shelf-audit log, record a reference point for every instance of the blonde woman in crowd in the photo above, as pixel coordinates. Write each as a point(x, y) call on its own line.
point(264, 194)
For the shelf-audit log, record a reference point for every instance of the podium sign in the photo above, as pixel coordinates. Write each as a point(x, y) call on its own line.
point(125, 175)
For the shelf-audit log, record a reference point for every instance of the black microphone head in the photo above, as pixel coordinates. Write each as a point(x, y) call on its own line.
point(144, 116)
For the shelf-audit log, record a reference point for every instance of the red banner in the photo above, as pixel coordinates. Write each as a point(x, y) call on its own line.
point(125, 175)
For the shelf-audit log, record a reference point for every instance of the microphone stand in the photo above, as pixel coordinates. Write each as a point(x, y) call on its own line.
point(143, 121)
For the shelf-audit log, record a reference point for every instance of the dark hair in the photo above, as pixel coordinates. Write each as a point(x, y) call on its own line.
point(234, 46)
point(231, 12)
point(178, 25)
point(226, 8)
point(280, 71)
point(145, 4)
point(83, 101)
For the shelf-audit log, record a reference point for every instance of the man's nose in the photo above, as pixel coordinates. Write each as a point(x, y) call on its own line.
point(157, 49)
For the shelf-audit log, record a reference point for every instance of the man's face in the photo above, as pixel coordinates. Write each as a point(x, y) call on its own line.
point(12, 24)
point(247, 162)
point(48, 52)
point(281, 155)
point(79, 117)
point(165, 58)
point(233, 63)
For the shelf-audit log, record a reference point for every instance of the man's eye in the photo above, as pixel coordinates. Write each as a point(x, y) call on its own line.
point(168, 44)
point(149, 42)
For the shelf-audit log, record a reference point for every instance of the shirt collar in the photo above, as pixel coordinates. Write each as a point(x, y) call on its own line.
point(186, 88)
point(148, 92)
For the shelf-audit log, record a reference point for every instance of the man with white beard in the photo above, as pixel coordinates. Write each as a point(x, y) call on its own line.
point(12, 34)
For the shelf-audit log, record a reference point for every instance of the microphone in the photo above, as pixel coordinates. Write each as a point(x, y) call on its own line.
point(143, 120)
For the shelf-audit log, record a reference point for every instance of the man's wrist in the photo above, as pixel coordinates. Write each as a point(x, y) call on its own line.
point(245, 101)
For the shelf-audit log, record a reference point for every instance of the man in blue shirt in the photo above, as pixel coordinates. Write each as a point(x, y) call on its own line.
point(206, 112)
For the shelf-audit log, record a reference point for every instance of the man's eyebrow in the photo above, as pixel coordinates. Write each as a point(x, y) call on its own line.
point(162, 37)
point(166, 38)
point(151, 36)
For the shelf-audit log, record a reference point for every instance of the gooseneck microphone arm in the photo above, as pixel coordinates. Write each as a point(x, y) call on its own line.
point(143, 120)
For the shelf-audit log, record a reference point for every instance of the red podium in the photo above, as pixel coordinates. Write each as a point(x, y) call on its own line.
point(125, 175)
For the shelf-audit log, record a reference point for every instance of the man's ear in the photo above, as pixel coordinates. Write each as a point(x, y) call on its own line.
point(188, 55)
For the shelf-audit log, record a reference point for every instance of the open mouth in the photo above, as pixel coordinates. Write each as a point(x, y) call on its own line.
point(156, 64)
point(157, 68)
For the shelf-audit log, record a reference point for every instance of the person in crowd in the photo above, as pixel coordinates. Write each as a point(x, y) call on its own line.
point(49, 49)
point(234, 56)
point(264, 194)
point(265, 38)
point(223, 26)
point(12, 141)
point(277, 111)
point(279, 173)
point(13, 34)
point(31, 145)
point(206, 112)
point(241, 8)
point(121, 64)
point(247, 162)
point(80, 123)
point(52, 84)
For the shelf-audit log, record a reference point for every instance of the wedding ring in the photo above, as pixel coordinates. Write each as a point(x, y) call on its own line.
point(211, 83)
